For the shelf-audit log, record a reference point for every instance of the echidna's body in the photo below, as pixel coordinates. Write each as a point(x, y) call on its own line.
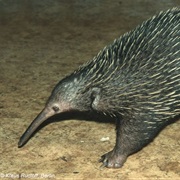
point(135, 80)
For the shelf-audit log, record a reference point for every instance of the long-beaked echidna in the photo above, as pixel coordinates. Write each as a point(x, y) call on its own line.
point(135, 80)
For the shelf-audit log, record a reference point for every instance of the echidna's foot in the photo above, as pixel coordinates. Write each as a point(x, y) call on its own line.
point(113, 159)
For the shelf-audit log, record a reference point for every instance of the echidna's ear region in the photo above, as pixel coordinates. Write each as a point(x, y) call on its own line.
point(95, 96)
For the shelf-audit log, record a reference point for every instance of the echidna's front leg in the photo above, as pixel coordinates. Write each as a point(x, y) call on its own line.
point(130, 137)
point(116, 157)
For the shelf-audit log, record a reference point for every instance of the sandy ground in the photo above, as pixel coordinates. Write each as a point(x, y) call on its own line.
point(40, 43)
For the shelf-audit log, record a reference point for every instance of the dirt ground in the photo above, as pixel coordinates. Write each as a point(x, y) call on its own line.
point(40, 43)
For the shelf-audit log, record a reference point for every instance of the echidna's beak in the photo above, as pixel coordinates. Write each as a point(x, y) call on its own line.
point(43, 115)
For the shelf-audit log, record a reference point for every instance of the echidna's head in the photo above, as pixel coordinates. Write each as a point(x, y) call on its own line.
point(70, 94)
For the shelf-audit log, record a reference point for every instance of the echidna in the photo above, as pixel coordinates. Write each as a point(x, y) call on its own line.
point(135, 80)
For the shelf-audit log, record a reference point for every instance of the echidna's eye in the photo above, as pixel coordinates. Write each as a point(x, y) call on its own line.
point(55, 108)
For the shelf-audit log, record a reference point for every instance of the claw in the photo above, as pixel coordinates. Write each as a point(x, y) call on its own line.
point(104, 161)
point(112, 160)
point(102, 166)
point(102, 158)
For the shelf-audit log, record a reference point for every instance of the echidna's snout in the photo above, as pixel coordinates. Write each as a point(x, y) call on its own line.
point(43, 116)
